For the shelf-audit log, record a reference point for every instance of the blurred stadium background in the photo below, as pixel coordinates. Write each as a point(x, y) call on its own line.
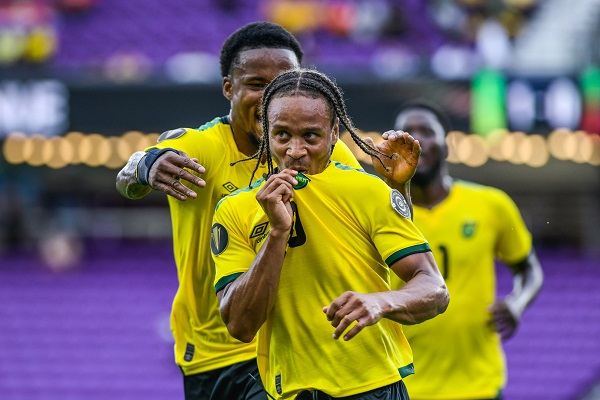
point(87, 277)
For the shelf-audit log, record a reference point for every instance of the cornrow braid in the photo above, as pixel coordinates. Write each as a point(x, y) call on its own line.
point(312, 84)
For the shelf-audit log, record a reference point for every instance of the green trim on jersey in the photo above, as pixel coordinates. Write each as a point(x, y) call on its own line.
point(407, 370)
point(210, 124)
point(226, 280)
point(420, 248)
point(346, 167)
point(244, 189)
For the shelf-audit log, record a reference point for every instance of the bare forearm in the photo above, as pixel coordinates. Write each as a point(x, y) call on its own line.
point(247, 301)
point(527, 282)
point(127, 183)
point(422, 298)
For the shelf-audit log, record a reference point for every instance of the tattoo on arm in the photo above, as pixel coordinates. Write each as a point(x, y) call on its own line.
point(127, 183)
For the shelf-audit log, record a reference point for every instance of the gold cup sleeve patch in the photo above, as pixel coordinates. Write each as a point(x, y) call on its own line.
point(219, 239)
point(172, 134)
point(399, 203)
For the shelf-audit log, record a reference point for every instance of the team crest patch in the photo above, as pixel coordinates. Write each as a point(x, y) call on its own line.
point(219, 239)
point(302, 181)
point(399, 204)
point(172, 134)
point(468, 229)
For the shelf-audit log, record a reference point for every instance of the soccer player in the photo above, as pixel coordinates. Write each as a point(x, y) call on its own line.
point(459, 355)
point(214, 364)
point(308, 264)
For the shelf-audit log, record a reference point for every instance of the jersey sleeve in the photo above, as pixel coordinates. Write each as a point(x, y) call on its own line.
point(231, 251)
point(514, 240)
point(343, 155)
point(194, 143)
point(392, 230)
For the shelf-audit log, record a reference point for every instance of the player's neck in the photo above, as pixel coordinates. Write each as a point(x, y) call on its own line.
point(244, 142)
point(432, 193)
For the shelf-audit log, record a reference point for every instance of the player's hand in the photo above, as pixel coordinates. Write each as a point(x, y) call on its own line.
point(351, 307)
point(405, 151)
point(169, 169)
point(275, 196)
point(504, 319)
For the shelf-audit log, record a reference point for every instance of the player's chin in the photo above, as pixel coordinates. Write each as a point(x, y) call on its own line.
point(424, 162)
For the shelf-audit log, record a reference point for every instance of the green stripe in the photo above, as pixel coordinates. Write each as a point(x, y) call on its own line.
point(226, 280)
point(407, 370)
point(244, 189)
point(420, 248)
point(210, 124)
point(345, 167)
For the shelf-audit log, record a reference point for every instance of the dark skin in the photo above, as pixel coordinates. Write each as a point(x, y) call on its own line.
point(433, 185)
point(301, 138)
point(243, 87)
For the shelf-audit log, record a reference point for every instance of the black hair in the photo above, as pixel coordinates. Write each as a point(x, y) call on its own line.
point(312, 84)
point(257, 35)
point(430, 106)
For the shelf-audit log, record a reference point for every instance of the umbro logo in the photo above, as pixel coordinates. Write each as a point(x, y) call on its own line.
point(230, 187)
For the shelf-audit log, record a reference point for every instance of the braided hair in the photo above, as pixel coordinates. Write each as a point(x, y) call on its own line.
point(311, 84)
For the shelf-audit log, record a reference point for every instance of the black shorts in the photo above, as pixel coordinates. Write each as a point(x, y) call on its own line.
point(232, 382)
point(395, 391)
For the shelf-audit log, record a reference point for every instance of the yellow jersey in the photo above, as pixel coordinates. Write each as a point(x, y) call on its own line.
point(202, 342)
point(349, 227)
point(456, 354)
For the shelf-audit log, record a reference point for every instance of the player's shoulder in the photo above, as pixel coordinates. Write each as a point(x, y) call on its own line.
point(215, 124)
point(355, 176)
point(482, 192)
point(241, 198)
point(210, 133)
point(342, 168)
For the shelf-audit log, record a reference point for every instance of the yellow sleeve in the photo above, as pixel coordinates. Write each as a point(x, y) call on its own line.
point(201, 145)
point(514, 239)
point(231, 251)
point(342, 154)
point(388, 218)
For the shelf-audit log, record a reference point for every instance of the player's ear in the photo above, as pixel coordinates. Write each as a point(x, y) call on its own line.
point(335, 132)
point(227, 88)
point(444, 147)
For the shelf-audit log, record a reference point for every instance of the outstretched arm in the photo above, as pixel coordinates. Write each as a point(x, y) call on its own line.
point(246, 302)
point(127, 183)
point(423, 297)
point(164, 174)
point(403, 164)
point(527, 282)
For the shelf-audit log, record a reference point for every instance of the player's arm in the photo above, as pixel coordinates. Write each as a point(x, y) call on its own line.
point(159, 169)
point(246, 302)
point(423, 297)
point(528, 278)
point(399, 169)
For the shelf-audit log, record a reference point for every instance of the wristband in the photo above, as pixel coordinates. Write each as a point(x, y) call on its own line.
point(142, 171)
